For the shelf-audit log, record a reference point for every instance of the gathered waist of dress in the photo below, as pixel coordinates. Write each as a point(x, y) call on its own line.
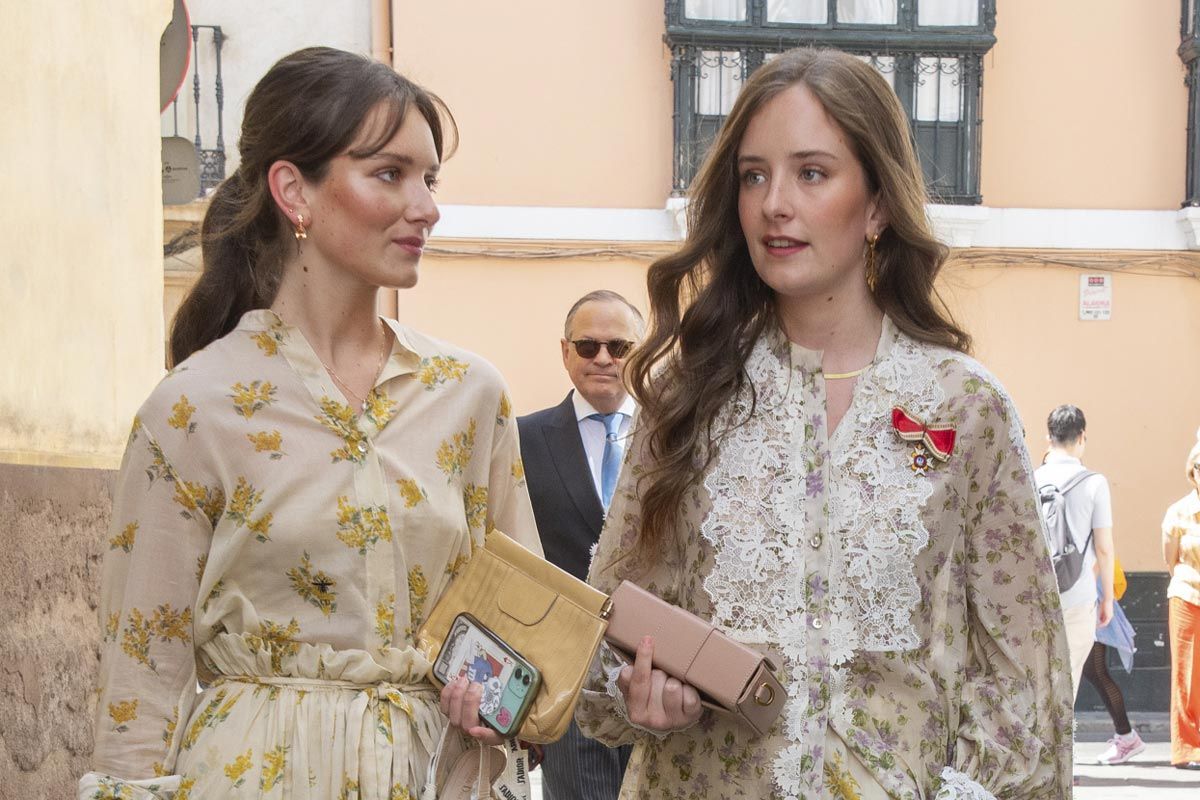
point(233, 657)
point(318, 685)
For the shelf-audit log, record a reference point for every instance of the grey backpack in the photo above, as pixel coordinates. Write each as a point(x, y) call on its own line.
point(1068, 561)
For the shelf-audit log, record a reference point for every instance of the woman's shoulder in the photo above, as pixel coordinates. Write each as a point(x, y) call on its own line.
point(1186, 506)
point(972, 395)
point(440, 363)
point(202, 378)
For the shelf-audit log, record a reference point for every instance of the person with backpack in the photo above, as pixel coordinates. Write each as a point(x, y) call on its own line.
point(1077, 508)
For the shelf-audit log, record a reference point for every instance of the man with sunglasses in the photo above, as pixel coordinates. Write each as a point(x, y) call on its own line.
point(572, 454)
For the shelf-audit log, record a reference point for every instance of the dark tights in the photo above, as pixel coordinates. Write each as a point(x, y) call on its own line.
point(1095, 669)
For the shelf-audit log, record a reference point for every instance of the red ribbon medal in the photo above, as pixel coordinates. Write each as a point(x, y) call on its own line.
point(938, 440)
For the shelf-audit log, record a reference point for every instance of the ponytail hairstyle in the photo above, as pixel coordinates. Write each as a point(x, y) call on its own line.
point(708, 306)
point(309, 108)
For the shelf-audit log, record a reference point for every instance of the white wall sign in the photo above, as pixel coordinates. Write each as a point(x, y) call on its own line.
point(1095, 297)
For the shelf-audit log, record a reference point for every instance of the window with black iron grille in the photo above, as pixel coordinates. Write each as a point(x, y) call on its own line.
point(1189, 51)
point(930, 51)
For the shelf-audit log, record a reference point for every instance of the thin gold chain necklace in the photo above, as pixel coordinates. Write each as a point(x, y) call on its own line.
point(362, 401)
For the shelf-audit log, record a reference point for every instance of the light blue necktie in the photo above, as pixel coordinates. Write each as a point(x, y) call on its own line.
point(610, 466)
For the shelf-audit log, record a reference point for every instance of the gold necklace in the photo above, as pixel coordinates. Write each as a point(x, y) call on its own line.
point(837, 376)
point(362, 401)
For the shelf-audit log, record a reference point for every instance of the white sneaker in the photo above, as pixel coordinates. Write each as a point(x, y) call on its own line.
point(1121, 749)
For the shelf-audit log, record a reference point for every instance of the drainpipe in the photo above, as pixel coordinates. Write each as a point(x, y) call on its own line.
point(381, 50)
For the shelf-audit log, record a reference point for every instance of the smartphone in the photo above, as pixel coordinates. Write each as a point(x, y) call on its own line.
point(510, 683)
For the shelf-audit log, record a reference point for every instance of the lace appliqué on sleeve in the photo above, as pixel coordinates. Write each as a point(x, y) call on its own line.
point(957, 786)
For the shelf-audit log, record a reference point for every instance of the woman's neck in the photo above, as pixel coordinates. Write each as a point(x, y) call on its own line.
point(340, 320)
point(846, 332)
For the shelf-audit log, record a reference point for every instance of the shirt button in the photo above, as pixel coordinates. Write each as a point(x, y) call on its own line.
point(816, 623)
point(819, 705)
point(815, 542)
point(362, 447)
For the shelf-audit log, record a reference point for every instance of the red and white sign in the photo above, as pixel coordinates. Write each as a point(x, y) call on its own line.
point(1095, 297)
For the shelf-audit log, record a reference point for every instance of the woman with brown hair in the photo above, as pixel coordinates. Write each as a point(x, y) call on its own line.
point(304, 483)
point(823, 472)
point(1181, 551)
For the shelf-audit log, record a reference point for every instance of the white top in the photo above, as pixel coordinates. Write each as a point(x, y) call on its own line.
point(1088, 506)
point(592, 432)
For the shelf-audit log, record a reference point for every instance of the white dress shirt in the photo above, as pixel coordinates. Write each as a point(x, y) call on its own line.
point(592, 432)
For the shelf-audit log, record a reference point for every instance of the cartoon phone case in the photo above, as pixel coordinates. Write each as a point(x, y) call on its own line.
point(510, 683)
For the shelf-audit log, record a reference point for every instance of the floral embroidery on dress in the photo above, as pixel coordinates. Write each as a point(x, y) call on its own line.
point(181, 416)
point(455, 453)
point(362, 528)
point(124, 540)
point(270, 442)
point(411, 492)
point(121, 713)
point(436, 370)
point(249, 399)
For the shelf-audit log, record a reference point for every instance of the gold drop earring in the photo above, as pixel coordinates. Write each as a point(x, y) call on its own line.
point(872, 263)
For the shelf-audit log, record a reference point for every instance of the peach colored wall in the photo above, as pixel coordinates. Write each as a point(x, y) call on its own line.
point(1134, 376)
point(512, 312)
point(559, 104)
point(1084, 106)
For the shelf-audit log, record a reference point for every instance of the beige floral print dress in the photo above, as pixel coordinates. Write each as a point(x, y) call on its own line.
point(281, 549)
point(910, 602)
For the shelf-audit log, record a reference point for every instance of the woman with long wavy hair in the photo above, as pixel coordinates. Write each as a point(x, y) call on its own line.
point(301, 487)
point(822, 471)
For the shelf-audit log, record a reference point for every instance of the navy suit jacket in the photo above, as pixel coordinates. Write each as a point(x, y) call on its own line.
point(568, 511)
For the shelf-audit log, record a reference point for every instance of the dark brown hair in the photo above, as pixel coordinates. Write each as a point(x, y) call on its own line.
point(708, 305)
point(310, 107)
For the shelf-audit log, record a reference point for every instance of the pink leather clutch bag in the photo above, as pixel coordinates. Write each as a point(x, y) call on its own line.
point(729, 675)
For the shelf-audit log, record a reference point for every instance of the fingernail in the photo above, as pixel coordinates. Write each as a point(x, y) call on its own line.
point(647, 641)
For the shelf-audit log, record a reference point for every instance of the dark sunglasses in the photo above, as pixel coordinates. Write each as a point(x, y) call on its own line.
point(590, 348)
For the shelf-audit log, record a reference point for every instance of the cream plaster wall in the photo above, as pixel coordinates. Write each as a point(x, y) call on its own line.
point(559, 104)
point(1084, 106)
point(81, 222)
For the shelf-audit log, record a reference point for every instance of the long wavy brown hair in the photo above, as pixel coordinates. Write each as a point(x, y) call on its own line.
point(310, 107)
point(708, 305)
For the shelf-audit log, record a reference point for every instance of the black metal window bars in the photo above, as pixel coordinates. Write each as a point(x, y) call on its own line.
point(212, 160)
point(931, 56)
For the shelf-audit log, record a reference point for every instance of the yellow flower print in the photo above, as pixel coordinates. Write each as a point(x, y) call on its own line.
point(418, 590)
point(383, 717)
point(217, 588)
point(261, 527)
point(241, 506)
point(201, 563)
point(349, 790)
point(475, 500)
point(435, 371)
point(166, 623)
point(184, 792)
point(269, 341)
point(400, 792)
point(379, 408)
point(362, 528)
point(124, 539)
point(212, 715)
point(273, 764)
point(314, 587)
point(339, 418)
point(270, 442)
point(113, 789)
point(411, 491)
point(198, 498)
point(518, 472)
point(133, 430)
point(122, 713)
point(158, 769)
point(159, 468)
point(276, 640)
point(385, 619)
point(838, 780)
point(236, 769)
point(454, 454)
point(504, 413)
point(253, 398)
point(111, 626)
point(169, 731)
point(181, 416)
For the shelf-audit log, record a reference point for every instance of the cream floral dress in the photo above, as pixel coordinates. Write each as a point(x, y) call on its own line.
point(281, 549)
point(910, 602)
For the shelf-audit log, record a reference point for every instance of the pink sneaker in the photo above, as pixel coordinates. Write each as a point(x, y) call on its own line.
point(1119, 751)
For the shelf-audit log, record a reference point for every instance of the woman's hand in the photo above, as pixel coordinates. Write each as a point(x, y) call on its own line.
point(460, 704)
point(655, 700)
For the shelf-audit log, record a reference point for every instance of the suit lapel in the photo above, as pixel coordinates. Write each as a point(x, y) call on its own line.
point(566, 450)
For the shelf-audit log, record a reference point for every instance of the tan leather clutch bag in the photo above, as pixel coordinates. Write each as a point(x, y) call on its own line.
point(729, 675)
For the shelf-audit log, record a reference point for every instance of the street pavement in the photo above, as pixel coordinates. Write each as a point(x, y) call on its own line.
point(1150, 770)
